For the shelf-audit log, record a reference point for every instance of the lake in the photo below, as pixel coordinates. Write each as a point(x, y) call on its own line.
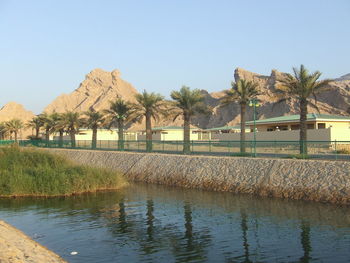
point(151, 223)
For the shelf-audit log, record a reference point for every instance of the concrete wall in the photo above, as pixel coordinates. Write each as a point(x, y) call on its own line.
point(324, 181)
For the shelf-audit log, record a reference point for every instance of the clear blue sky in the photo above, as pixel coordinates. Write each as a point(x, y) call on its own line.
point(47, 47)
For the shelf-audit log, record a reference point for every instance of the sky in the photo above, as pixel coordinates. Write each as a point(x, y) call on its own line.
point(47, 47)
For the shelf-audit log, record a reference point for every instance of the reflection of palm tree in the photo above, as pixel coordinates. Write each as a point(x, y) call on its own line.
point(305, 242)
point(188, 226)
point(244, 226)
point(123, 225)
point(150, 219)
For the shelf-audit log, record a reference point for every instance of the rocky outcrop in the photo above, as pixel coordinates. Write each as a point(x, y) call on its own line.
point(17, 247)
point(95, 92)
point(315, 180)
point(13, 110)
point(100, 87)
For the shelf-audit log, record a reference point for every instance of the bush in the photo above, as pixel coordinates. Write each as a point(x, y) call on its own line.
point(343, 151)
point(26, 171)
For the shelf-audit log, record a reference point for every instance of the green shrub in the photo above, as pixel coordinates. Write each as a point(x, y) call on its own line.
point(343, 151)
point(26, 171)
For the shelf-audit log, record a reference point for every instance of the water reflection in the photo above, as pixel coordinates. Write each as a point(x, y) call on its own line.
point(146, 223)
point(244, 226)
point(305, 242)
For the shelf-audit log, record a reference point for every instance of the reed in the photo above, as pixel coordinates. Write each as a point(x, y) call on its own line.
point(30, 172)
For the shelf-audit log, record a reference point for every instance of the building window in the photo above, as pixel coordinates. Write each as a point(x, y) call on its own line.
point(321, 126)
point(295, 127)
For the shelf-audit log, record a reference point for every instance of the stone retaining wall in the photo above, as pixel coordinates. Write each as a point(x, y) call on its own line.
point(316, 180)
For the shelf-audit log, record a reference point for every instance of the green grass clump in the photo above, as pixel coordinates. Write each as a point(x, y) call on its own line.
point(32, 172)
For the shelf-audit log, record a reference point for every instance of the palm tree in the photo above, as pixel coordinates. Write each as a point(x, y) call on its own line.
point(47, 124)
point(149, 105)
point(3, 131)
point(35, 124)
point(119, 112)
point(94, 121)
point(304, 87)
point(242, 92)
point(72, 121)
point(188, 103)
point(14, 126)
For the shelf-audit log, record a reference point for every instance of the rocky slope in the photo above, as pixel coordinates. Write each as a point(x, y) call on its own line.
point(100, 87)
point(334, 101)
point(95, 92)
point(13, 110)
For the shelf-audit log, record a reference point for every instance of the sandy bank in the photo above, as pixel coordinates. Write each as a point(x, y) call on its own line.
point(16, 247)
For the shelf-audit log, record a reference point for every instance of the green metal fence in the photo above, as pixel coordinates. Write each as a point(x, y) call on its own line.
point(278, 149)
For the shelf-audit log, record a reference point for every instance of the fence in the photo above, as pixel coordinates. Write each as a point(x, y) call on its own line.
point(279, 149)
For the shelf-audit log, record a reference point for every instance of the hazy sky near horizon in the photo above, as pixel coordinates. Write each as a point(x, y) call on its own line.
point(47, 47)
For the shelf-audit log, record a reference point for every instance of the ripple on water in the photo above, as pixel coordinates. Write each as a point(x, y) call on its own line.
point(148, 223)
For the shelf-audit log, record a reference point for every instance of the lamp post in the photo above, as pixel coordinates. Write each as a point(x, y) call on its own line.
point(254, 103)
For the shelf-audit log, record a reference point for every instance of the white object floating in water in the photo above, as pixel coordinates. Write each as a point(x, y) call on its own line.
point(74, 253)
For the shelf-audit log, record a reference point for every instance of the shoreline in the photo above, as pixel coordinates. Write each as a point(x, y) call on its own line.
point(15, 246)
point(312, 180)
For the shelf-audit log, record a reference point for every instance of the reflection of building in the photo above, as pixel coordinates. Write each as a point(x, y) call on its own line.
point(102, 135)
point(175, 133)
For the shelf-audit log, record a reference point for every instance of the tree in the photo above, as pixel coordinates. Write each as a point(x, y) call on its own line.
point(94, 120)
point(35, 124)
point(119, 113)
point(72, 121)
point(242, 92)
point(149, 105)
point(3, 130)
point(14, 126)
point(188, 103)
point(304, 87)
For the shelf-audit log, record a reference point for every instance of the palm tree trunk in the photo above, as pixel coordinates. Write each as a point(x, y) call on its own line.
point(120, 135)
point(242, 141)
point(37, 130)
point(148, 132)
point(72, 138)
point(187, 143)
point(16, 136)
point(60, 142)
point(47, 135)
point(303, 126)
point(94, 138)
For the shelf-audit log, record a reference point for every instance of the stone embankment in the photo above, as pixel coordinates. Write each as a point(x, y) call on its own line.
point(316, 180)
point(16, 247)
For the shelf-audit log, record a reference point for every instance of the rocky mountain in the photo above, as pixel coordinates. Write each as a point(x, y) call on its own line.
point(334, 101)
point(100, 87)
point(95, 92)
point(13, 110)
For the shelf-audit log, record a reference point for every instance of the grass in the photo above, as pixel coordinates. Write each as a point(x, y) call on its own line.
point(29, 172)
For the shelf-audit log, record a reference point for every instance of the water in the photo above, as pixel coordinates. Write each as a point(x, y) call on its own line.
point(148, 223)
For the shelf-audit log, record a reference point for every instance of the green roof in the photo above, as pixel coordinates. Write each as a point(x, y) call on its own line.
point(224, 128)
point(291, 118)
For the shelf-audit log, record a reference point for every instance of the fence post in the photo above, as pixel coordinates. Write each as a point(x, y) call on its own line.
point(209, 146)
point(163, 145)
point(335, 148)
point(192, 146)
